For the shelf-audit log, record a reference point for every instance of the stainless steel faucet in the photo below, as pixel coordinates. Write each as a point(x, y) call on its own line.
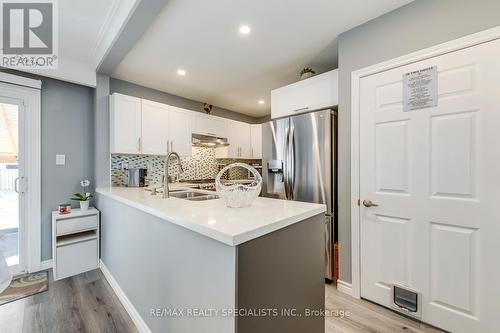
point(166, 190)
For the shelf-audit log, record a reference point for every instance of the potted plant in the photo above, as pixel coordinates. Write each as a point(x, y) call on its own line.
point(306, 73)
point(83, 198)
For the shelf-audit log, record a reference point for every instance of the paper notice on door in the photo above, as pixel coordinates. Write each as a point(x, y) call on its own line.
point(420, 89)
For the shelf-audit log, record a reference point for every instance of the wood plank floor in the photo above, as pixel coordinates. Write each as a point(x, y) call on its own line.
point(86, 303)
point(366, 317)
point(83, 303)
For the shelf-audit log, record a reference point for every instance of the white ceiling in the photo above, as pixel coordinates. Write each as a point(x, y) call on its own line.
point(233, 71)
point(83, 29)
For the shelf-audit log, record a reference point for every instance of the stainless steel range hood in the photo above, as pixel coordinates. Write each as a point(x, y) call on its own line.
point(200, 140)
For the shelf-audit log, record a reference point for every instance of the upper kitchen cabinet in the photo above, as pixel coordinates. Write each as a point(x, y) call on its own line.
point(139, 126)
point(155, 128)
point(209, 125)
point(179, 130)
point(256, 137)
point(238, 135)
point(317, 92)
point(125, 124)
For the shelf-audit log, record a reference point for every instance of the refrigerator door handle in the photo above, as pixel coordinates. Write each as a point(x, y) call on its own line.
point(285, 163)
point(292, 163)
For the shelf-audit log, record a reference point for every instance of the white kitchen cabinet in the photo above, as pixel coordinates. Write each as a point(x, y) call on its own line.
point(238, 135)
point(256, 140)
point(180, 131)
point(317, 92)
point(125, 124)
point(140, 126)
point(155, 128)
point(209, 125)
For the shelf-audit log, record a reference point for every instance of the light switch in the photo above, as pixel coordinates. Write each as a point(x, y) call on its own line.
point(60, 159)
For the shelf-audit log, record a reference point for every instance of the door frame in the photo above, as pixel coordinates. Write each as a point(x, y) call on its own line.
point(28, 91)
point(356, 76)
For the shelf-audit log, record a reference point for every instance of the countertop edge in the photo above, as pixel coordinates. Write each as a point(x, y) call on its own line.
point(211, 233)
point(224, 238)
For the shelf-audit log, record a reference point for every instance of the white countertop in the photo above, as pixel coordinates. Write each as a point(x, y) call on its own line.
point(213, 219)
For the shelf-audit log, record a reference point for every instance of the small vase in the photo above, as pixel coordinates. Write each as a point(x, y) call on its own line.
point(84, 205)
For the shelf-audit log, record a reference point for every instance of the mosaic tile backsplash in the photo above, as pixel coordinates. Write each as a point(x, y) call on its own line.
point(201, 165)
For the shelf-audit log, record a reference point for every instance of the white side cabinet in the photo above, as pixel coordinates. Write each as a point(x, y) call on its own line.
point(317, 92)
point(125, 124)
point(75, 242)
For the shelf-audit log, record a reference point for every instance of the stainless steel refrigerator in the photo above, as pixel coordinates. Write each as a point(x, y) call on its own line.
point(299, 163)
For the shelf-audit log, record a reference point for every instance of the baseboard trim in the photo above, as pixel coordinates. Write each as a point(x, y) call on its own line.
point(344, 287)
point(129, 307)
point(46, 264)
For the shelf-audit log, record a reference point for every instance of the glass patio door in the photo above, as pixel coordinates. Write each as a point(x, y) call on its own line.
point(12, 183)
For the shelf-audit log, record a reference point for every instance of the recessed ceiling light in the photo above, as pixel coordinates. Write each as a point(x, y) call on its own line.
point(261, 101)
point(245, 29)
point(181, 72)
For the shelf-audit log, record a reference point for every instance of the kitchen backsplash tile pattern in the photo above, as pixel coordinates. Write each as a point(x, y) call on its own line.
point(201, 165)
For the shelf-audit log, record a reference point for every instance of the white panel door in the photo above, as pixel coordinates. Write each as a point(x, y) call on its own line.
point(155, 126)
point(180, 130)
point(125, 124)
point(256, 137)
point(434, 174)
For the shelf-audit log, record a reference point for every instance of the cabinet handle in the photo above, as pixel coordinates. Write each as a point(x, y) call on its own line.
point(301, 109)
point(171, 146)
point(139, 144)
point(252, 152)
point(168, 146)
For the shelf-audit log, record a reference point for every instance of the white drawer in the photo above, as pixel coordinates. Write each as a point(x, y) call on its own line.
point(76, 258)
point(76, 224)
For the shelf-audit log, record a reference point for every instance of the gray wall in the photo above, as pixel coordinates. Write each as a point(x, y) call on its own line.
point(102, 165)
point(420, 24)
point(66, 129)
point(127, 88)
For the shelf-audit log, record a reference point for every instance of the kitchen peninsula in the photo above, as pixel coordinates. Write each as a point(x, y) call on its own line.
point(167, 257)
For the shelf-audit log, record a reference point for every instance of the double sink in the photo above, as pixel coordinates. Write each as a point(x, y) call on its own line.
point(194, 196)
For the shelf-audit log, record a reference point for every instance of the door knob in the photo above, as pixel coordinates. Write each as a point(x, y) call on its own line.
point(369, 203)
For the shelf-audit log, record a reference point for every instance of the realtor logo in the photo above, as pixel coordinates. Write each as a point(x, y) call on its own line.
point(29, 34)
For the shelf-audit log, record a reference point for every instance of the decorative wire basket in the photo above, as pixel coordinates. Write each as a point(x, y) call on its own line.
point(239, 195)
